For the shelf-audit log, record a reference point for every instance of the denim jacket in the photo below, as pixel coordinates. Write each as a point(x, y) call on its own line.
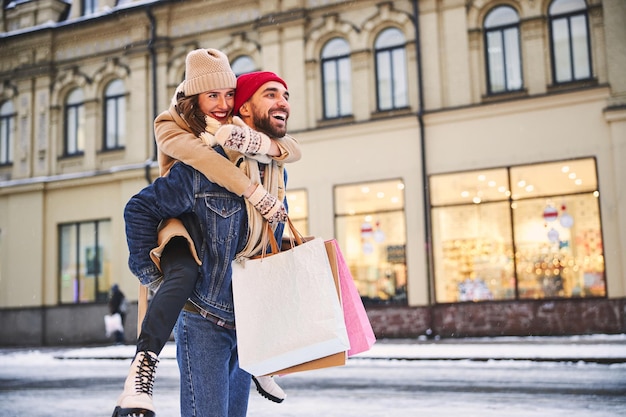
point(222, 222)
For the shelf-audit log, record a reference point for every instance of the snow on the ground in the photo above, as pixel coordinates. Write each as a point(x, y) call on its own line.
point(541, 348)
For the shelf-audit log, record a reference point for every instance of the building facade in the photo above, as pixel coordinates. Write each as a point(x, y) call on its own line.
point(467, 155)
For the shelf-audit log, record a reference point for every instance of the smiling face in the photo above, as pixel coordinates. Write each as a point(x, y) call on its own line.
point(217, 103)
point(268, 109)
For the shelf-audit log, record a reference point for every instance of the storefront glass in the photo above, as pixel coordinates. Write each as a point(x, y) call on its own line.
point(84, 268)
point(298, 206)
point(371, 231)
point(525, 232)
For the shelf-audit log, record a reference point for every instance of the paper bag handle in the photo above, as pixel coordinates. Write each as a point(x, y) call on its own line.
point(268, 235)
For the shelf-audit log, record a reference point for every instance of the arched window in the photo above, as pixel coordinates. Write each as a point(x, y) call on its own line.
point(243, 65)
point(114, 115)
point(570, 45)
point(7, 126)
point(336, 79)
point(74, 123)
point(391, 78)
point(502, 44)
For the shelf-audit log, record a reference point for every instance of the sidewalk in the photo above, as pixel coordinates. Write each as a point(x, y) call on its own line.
point(605, 349)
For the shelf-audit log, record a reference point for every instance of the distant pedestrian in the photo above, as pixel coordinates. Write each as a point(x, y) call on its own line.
point(118, 305)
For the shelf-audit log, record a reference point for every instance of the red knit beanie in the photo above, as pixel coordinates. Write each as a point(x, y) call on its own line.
point(247, 84)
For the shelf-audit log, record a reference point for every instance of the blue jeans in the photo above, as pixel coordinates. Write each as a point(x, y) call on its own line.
point(211, 382)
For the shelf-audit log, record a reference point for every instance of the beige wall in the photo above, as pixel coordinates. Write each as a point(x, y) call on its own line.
point(464, 130)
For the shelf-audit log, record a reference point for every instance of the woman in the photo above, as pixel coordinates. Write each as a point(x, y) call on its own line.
point(201, 104)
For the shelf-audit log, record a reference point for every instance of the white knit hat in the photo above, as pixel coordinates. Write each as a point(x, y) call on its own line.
point(207, 69)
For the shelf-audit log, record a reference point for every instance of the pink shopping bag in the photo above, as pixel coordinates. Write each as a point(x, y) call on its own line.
point(360, 331)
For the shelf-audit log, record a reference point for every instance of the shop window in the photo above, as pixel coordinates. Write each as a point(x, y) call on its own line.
point(391, 78)
point(525, 232)
point(74, 123)
point(114, 115)
point(502, 44)
point(336, 79)
point(7, 132)
point(570, 45)
point(371, 232)
point(84, 261)
point(243, 65)
point(298, 206)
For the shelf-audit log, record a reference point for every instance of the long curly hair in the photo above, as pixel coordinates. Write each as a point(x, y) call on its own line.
point(189, 110)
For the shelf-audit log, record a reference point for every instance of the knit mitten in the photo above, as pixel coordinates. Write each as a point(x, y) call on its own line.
point(212, 126)
point(243, 139)
point(268, 205)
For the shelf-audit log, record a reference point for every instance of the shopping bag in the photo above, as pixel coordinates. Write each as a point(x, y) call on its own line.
point(287, 311)
point(336, 359)
point(360, 332)
point(112, 324)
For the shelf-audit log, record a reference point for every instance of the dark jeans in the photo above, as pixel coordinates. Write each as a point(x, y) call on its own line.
point(180, 272)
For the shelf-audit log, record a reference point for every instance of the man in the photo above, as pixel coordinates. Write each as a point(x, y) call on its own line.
point(211, 382)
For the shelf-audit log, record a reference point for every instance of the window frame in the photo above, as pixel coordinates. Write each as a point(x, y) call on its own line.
point(7, 130)
point(73, 112)
point(88, 7)
point(118, 100)
point(391, 53)
point(247, 65)
point(501, 30)
point(82, 268)
point(346, 212)
point(513, 200)
point(568, 16)
point(342, 96)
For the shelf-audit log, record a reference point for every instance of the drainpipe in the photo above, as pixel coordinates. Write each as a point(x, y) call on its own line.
point(422, 132)
point(153, 60)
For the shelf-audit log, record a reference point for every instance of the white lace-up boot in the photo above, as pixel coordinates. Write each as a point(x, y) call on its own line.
point(136, 399)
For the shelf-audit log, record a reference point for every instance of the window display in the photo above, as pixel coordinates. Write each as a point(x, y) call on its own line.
point(523, 232)
point(84, 269)
point(371, 231)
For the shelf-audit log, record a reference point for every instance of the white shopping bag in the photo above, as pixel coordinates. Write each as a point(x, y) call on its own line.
point(112, 324)
point(287, 311)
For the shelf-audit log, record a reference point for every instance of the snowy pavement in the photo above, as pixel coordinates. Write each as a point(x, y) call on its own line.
point(577, 376)
point(591, 348)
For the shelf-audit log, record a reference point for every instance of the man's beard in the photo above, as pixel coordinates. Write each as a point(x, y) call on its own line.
point(263, 123)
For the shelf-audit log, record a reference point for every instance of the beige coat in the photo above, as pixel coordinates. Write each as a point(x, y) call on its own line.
point(176, 142)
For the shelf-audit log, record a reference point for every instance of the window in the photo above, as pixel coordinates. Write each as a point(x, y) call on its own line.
point(570, 46)
point(298, 206)
point(504, 64)
point(525, 232)
point(75, 123)
point(336, 82)
point(84, 261)
point(243, 65)
point(391, 78)
point(7, 126)
point(371, 231)
point(89, 7)
point(114, 115)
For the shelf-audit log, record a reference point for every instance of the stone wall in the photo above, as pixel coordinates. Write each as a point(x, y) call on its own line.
point(519, 318)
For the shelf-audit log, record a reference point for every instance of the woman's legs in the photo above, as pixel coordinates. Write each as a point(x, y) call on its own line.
point(211, 382)
point(180, 272)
